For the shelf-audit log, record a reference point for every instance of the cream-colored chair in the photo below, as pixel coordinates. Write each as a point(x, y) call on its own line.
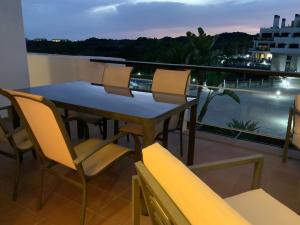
point(113, 76)
point(169, 82)
point(16, 143)
point(293, 129)
point(174, 195)
point(46, 129)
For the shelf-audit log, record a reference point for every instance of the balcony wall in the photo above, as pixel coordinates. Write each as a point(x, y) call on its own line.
point(13, 65)
point(48, 69)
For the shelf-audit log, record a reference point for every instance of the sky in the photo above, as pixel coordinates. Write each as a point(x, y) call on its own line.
point(130, 19)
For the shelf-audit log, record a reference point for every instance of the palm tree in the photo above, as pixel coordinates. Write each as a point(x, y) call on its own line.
point(200, 53)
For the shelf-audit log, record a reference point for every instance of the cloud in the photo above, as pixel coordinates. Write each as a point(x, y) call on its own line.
point(77, 19)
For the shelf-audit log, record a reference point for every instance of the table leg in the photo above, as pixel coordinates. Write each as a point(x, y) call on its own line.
point(104, 128)
point(192, 132)
point(166, 133)
point(149, 133)
point(116, 129)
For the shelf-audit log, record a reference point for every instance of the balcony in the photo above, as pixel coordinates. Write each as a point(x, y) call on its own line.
point(240, 112)
point(285, 51)
point(109, 200)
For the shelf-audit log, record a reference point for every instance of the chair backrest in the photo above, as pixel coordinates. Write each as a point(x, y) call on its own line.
point(117, 76)
point(44, 126)
point(171, 81)
point(175, 195)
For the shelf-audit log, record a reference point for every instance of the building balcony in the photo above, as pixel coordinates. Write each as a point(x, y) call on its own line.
point(110, 194)
point(285, 51)
point(240, 112)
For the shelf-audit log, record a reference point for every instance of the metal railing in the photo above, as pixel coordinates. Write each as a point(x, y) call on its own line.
point(263, 99)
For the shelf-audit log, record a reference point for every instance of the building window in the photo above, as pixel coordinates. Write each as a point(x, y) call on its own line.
point(281, 45)
point(284, 34)
point(294, 45)
point(296, 35)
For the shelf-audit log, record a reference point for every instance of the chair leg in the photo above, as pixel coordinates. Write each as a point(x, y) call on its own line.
point(104, 125)
point(181, 143)
point(136, 208)
point(40, 201)
point(83, 205)
point(17, 177)
point(86, 131)
point(137, 148)
point(67, 125)
point(33, 153)
point(285, 150)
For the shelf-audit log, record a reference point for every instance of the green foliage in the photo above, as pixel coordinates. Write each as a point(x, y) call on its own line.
point(198, 48)
point(241, 125)
point(214, 81)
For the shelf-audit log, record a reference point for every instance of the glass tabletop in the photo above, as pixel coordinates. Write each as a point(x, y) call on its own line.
point(110, 99)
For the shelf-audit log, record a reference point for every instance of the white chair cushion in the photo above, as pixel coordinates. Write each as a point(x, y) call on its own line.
point(102, 158)
point(260, 208)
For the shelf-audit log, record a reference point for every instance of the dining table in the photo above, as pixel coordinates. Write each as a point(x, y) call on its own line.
point(140, 107)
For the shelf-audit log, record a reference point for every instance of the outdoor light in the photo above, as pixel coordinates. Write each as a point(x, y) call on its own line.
point(139, 74)
point(278, 93)
point(285, 83)
point(194, 80)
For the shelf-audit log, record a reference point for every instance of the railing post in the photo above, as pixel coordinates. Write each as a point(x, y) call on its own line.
point(249, 83)
point(237, 83)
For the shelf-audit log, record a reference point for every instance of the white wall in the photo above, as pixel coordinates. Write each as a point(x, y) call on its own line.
point(13, 62)
point(278, 62)
point(48, 69)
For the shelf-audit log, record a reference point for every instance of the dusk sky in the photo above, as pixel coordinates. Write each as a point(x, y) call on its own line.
point(118, 19)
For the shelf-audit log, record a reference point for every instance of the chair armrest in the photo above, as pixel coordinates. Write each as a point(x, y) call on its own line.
point(91, 151)
point(5, 107)
point(11, 133)
point(257, 160)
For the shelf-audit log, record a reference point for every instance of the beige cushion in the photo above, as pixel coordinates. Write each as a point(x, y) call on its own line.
point(117, 76)
point(45, 128)
point(22, 140)
point(100, 159)
point(259, 208)
point(170, 81)
point(198, 203)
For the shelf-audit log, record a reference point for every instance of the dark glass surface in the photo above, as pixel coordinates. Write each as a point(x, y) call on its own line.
point(90, 96)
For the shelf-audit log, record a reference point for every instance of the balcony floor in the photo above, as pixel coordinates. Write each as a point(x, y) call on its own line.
point(109, 194)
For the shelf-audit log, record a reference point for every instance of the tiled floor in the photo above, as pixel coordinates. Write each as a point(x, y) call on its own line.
point(109, 194)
